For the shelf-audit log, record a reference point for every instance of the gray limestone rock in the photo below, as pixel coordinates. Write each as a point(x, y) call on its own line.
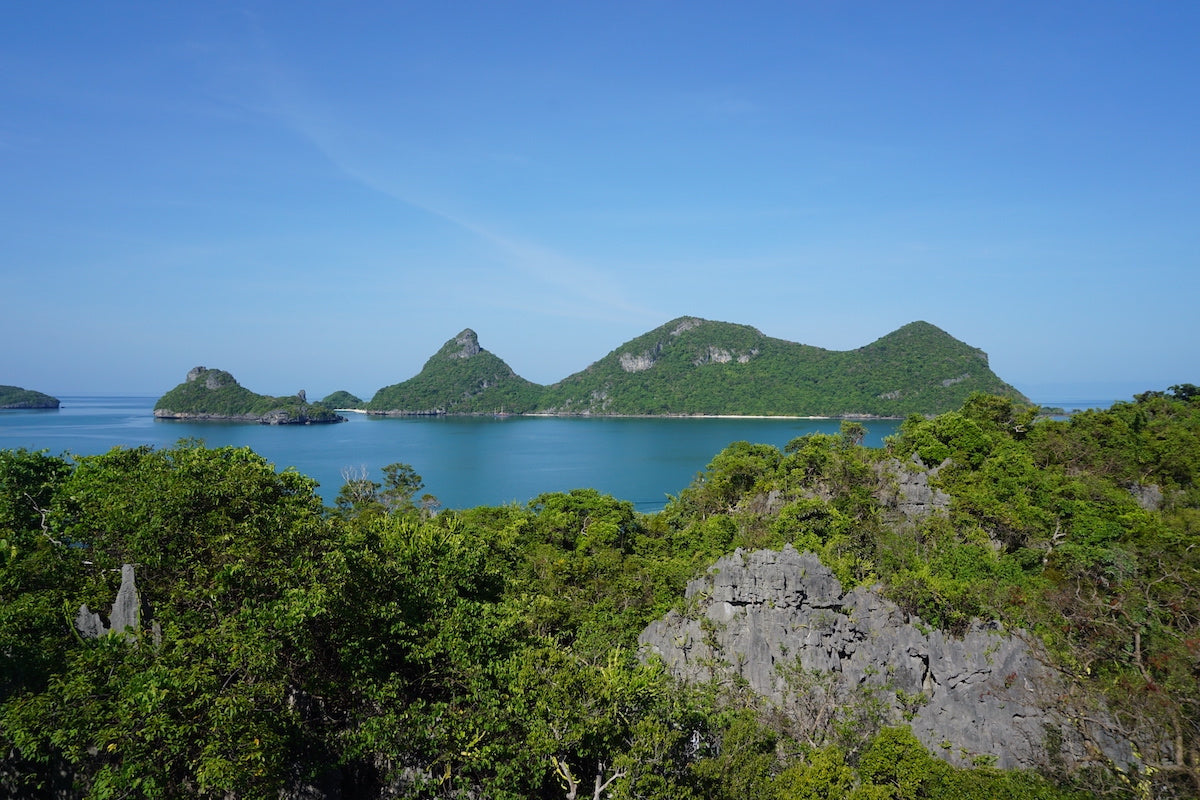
point(1148, 496)
point(468, 343)
point(125, 614)
point(908, 489)
point(89, 624)
point(126, 610)
point(780, 622)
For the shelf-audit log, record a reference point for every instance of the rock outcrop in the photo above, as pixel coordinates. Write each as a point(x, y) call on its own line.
point(780, 622)
point(124, 616)
point(907, 488)
point(468, 345)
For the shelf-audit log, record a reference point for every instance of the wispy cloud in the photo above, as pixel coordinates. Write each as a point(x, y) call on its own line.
point(379, 162)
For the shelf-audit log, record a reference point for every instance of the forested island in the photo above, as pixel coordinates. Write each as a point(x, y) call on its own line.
point(213, 394)
point(692, 366)
point(16, 397)
point(993, 605)
point(342, 399)
point(689, 366)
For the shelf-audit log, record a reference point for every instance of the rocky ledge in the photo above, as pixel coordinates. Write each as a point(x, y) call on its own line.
point(280, 416)
point(779, 622)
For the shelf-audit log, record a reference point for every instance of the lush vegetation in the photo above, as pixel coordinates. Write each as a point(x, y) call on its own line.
point(214, 394)
point(460, 378)
point(379, 649)
point(694, 366)
point(16, 397)
point(342, 399)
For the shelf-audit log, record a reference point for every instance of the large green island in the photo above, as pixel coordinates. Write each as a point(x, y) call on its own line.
point(16, 397)
point(213, 394)
point(693, 366)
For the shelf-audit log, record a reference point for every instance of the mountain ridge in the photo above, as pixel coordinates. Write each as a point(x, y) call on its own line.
point(695, 366)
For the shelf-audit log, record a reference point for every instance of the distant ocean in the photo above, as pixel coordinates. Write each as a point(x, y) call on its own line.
point(1076, 404)
point(465, 461)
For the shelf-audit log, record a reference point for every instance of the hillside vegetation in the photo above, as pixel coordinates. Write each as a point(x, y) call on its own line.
point(214, 394)
point(16, 397)
point(460, 378)
point(375, 650)
point(342, 399)
point(695, 366)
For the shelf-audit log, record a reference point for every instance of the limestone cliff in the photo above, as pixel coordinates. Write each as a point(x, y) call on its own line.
point(780, 622)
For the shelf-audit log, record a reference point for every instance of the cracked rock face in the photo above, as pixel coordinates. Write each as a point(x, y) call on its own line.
point(765, 614)
point(912, 495)
point(640, 363)
point(468, 344)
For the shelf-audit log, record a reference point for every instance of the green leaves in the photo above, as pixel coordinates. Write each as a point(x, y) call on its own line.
point(493, 651)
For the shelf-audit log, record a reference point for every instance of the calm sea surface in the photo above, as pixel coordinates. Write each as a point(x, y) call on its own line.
point(465, 461)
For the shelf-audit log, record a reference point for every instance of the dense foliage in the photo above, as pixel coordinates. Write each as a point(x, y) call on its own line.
point(695, 366)
point(16, 397)
point(215, 394)
point(377, 649)
point(1085, 532)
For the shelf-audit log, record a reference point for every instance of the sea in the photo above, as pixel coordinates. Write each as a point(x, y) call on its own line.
point(464, 461)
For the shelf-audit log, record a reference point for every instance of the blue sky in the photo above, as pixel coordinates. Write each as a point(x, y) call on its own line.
point(318, 195)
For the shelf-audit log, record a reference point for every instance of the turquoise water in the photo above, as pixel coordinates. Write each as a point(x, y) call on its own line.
point(464, 461)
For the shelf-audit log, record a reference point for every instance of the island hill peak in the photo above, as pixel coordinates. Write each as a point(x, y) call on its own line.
point(214, 394)
point(694, 366)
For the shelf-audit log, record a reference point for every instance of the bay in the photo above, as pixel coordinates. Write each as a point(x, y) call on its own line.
point(464, 461)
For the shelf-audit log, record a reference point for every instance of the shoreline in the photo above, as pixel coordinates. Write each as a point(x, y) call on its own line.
point(545, 414)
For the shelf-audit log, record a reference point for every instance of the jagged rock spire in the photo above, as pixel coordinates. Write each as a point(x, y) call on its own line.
point(465, 345)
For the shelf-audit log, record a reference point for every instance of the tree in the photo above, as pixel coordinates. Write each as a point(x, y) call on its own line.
point(400, 483)
point(359, 495)
point(201, 699)
point(610, 728)
point(852, 433)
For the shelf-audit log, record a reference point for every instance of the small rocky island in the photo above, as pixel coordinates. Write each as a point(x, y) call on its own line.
point(213, 394)
point(16, 397)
